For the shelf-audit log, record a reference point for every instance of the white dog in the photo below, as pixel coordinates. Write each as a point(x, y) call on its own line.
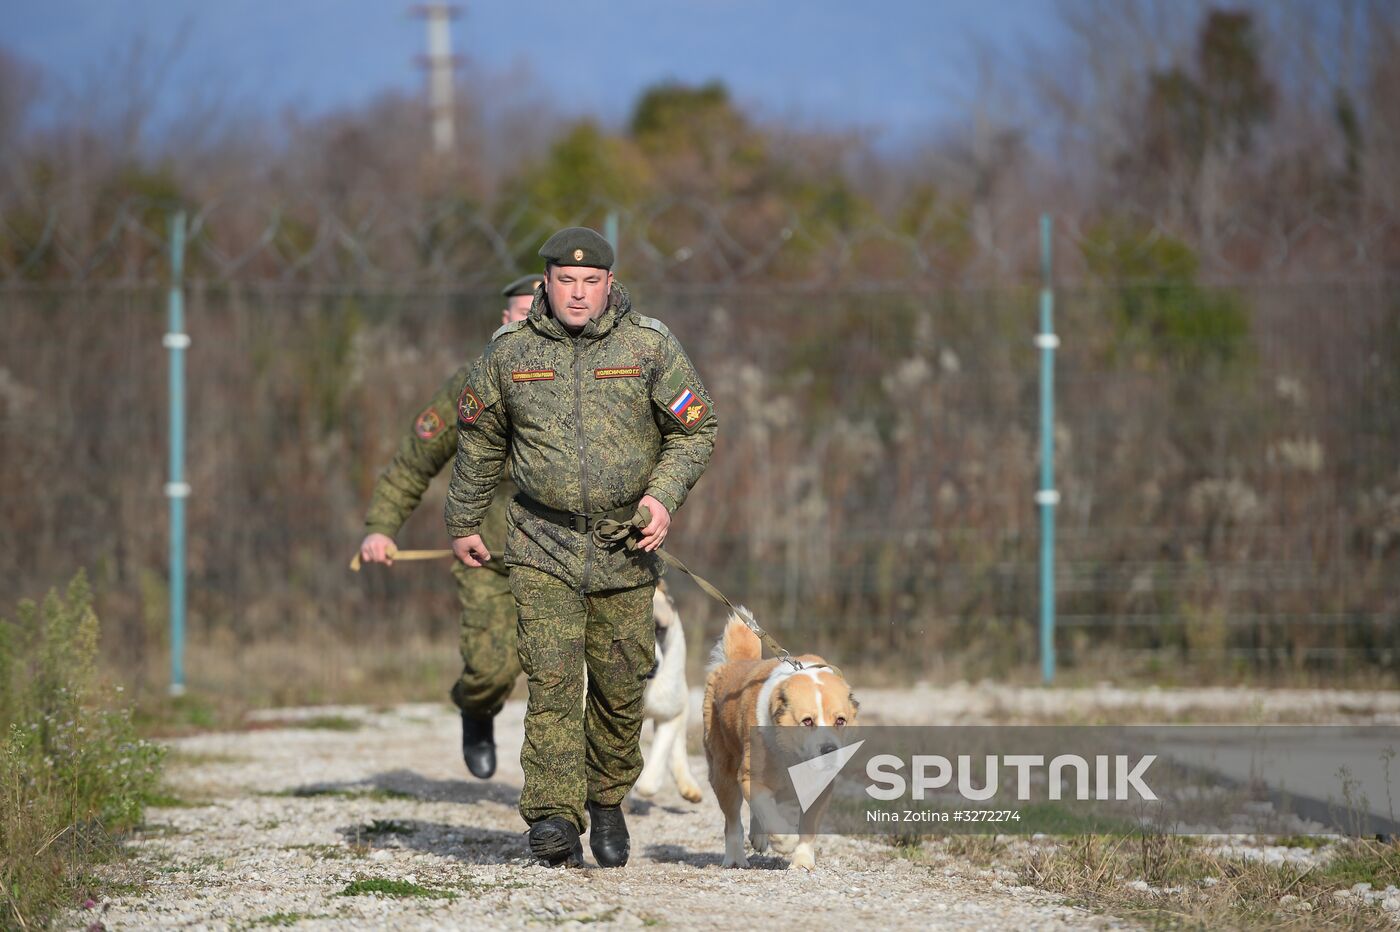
point(668, 705)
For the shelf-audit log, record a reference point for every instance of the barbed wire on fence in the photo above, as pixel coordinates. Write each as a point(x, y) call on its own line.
point(234, 239)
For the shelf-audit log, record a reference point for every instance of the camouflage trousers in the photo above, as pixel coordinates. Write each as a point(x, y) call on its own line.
point(490, 661)
point(587, 658)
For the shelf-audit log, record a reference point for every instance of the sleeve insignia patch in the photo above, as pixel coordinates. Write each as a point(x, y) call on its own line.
point(469, 406)
point(688, 409)
point(618, 372)
point(532, 375)
point(428, 425)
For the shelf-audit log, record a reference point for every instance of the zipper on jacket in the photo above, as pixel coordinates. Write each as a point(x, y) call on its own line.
point(582, 468)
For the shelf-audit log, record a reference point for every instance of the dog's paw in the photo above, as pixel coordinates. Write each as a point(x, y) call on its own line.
point(804, 858)
point(783, 844)
point(692, 793)
point(741, 861)
point(759, 842)
point(646, 788)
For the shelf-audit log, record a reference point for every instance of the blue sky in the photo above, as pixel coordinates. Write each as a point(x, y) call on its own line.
point(897, 67)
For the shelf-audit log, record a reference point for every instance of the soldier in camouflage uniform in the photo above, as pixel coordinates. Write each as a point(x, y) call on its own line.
point(490, 661)
point(599, 412)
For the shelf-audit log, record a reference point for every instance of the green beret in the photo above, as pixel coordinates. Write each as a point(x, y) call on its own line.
point(524, 285)
point(578, 246)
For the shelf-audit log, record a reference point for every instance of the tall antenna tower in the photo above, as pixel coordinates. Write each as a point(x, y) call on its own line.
point(440, 64)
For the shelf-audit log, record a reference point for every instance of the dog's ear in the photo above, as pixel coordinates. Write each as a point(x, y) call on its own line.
point(778, 704)
point(851, 698)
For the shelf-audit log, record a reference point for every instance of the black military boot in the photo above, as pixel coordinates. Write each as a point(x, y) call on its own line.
point(608, 835)
point(555, 842)
point(479, 745)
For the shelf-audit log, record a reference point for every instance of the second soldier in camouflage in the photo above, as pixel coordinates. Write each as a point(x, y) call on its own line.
point(490, 660)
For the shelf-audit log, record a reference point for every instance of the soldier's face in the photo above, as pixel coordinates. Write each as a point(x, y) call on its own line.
point(577, 293)
point(517, 308)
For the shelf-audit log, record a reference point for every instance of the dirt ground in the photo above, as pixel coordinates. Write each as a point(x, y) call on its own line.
point(286, 823)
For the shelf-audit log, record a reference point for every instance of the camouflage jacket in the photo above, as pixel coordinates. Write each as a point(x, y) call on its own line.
point(425, 449)
point(590, 423)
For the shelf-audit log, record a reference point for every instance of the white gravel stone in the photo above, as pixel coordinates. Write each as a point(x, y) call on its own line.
point(287, 826)
point(288, 812)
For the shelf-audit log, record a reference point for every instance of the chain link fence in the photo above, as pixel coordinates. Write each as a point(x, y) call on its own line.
point(1227, 453)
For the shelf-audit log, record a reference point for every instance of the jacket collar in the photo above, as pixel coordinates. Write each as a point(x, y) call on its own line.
point(542, 318)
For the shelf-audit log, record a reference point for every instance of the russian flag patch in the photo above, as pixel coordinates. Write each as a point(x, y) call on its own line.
point(688, 409)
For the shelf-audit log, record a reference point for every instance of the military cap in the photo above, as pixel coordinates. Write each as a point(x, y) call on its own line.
point(524, 285)
point(578, 246)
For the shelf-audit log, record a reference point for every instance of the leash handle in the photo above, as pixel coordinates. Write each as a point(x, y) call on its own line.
point(493, 563)
point(607, 532)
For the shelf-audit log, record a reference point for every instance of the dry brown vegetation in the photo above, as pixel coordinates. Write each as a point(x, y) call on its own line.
point(1227, 228)
point(1179, 882)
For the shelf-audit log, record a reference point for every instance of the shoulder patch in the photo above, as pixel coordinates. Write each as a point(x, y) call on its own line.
point(651, 323)
point(503, 329)
point(428, 424)
point(469, 407)
point(689, 409)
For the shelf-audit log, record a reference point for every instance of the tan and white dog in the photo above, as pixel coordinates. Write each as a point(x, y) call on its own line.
point(668, 705)
point(742, 690)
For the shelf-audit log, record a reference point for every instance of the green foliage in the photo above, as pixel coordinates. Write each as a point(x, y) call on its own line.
point(583, 172)
point(1364, 862)
point(72, 770)
point(154, 191)
point(696, 138)
point(1349, 122)
point(832, 205)
point(132, 192)
point(941, 225)
point(341, 792)
point(1159, 306)
point(1310, 842)
point(671, 112)
point(1221, 102)
point(383, 886)
point(824, 359)
point(330, 350)
point(1238, 95)
point(280, 920)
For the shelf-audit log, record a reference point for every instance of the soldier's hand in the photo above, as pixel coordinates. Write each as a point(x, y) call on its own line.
point(654, 534)
point(471, 550)
point(378, 548)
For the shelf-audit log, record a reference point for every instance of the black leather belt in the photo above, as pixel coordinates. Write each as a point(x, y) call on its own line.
point(581, 523)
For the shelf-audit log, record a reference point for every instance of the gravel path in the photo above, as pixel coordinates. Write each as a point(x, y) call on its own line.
point(289, 816)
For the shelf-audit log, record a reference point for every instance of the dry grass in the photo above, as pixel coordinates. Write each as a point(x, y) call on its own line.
point(311, 664)
point(299, 669)
point(1184, 882)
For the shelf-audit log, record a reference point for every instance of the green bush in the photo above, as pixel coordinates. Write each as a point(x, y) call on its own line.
point(73, 773)
point(1160, 307)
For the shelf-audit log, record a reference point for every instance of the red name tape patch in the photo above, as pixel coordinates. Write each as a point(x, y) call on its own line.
point(618, 372)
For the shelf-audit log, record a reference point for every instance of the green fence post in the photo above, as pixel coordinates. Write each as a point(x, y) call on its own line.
point(177, 489)
point(1047, 497)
